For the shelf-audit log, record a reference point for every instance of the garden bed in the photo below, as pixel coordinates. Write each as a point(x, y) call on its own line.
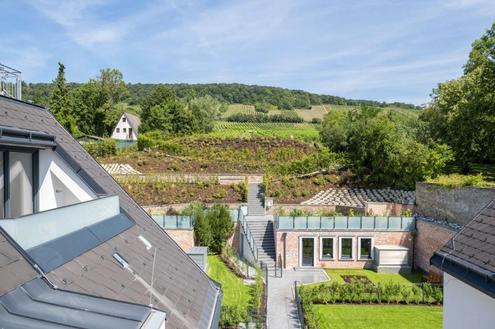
point(162, 193)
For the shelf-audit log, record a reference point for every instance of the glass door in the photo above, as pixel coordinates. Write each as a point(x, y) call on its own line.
point(308, 248)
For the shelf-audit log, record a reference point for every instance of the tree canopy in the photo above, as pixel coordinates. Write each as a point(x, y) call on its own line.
point(462, 112)
point(382, 149)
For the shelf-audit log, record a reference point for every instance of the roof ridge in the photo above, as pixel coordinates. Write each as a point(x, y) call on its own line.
point(15, 100)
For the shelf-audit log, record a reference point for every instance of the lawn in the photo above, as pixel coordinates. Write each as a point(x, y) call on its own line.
point(336, 276)
point(379, 316)
point(235, 292)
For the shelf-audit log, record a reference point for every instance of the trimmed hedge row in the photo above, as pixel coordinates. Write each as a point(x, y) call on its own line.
point(359, 292)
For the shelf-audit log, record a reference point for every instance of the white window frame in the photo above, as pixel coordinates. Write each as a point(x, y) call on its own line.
point(353, 256)
point(124, 119)
point(301, 250)
point(371, 251)
point(124, 130)
point(333, 246)
point(117, 130)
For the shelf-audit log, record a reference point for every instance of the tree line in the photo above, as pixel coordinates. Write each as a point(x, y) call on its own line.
point(230, 93)
point(94, 107)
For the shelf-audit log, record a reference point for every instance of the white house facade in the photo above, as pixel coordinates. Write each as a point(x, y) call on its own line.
point(465, 306)
point(468, 263)
point(127, 127)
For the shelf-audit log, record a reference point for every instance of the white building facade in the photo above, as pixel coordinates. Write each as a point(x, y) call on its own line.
point(465, 306)
point(127, 127)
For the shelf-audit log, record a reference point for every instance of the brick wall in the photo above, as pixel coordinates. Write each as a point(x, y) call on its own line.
point(429, 238)
point(184, 238)
point(292, 246)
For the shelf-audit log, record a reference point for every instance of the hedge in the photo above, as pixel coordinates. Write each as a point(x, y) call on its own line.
point(359, 292)
point(104, 148)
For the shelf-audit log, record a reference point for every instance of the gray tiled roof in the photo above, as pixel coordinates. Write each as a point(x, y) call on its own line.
point(134, 121)
point(474, 245)
point(185, 293)
point(14, 269)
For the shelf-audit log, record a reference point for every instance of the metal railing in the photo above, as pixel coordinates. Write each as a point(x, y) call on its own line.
point(385, 223)
point(300, 312)
point(247, 233)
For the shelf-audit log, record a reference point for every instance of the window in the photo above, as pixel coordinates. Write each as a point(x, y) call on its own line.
point(124, 119)
point(326, 249)
point(365, 248)
point(346, 252)
point(124, 129)
point(17, 183)
point(117, 130)
point(21, 184)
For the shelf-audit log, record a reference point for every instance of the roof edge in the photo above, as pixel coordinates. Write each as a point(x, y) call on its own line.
point(483, 283)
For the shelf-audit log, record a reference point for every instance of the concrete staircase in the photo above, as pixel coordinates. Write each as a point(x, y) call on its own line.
point(262, 232)
point(256, 205)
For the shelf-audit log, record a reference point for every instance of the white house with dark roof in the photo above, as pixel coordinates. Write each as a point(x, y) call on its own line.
point(127, 127)
point(468, 263)
point(76, 251)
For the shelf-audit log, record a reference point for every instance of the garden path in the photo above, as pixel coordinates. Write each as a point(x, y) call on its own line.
point(282, 309)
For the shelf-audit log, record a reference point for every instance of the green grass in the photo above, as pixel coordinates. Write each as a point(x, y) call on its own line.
point(378, 316)
point(302, 131)
point(235, 291)
point(336, 276)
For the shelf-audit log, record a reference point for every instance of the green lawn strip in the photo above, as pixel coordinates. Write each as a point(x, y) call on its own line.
point(336, 276)
point(235, 291)
point(378, 316)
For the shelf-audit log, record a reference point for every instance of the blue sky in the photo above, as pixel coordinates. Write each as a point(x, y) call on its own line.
point(371, 49)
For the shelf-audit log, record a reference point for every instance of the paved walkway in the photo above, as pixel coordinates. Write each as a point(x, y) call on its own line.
point(282, 310)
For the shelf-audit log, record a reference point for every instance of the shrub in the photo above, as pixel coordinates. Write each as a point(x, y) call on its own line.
point(457, 180)
point(150, 139)
point(221, 226)
point(106, 147)
point(232, 315)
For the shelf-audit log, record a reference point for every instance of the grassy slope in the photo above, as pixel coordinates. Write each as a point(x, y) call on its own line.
point(336, 276)
point(379, 316)
point(235, 292)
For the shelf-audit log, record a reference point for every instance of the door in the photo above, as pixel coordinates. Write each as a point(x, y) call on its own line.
point(308, 249)
point(130, 133)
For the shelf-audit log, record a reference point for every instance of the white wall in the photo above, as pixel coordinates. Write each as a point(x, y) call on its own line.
point(121, 134)
point(59, 184)
point(466, 307)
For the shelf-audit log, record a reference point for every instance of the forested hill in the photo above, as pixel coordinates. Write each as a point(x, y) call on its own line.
point(225, 92)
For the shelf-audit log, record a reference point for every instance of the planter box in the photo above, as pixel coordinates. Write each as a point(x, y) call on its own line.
point(391, 259)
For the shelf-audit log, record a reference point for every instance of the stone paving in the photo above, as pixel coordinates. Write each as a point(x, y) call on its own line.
point(358, 197)
point(282, 309)
point(120, 169)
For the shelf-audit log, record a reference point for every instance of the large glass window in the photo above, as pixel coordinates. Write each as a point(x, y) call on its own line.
point(346, 248)
point(21, 184)
point(2, 215)
point(326, 248)
point(365, 248)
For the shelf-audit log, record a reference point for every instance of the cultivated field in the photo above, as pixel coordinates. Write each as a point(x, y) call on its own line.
point(303, 131)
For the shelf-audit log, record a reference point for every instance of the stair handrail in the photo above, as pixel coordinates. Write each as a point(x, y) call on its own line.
point(248, 234)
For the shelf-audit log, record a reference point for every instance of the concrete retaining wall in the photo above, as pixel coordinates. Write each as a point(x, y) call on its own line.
point(457, 205)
